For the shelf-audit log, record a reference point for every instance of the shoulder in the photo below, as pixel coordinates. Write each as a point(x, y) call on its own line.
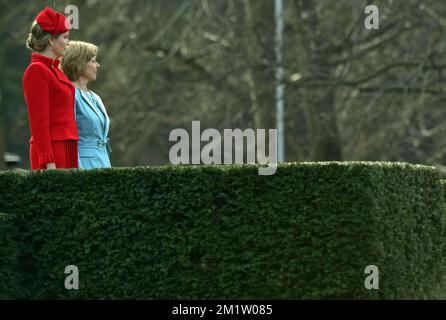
point(38, 67)
point(97, 96)
point(37, 70)
point(94, 94)
point(78, 95)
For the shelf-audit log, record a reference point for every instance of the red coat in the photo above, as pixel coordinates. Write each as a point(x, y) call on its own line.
point(49, 96)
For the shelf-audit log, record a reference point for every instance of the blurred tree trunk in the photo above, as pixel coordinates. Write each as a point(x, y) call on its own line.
point(325, 140)
point(2, 146)
point(251, 50)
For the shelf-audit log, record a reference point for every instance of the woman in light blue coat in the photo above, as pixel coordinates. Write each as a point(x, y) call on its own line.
point(93, 123)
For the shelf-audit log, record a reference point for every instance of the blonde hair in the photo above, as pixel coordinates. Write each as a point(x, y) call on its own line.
point(77, 55)
point(37, 38)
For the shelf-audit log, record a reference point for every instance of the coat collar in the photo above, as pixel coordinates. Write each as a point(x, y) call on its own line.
point(101, 105)
point(52, 64)
point(105, 116)
point(36, 57)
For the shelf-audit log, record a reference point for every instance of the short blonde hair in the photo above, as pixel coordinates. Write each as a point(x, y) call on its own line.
point(37, 38)
point(77, 55)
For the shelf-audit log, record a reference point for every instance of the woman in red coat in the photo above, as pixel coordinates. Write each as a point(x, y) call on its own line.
point(49, 95)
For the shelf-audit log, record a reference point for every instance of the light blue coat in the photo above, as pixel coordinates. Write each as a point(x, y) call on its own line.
point(92, 125)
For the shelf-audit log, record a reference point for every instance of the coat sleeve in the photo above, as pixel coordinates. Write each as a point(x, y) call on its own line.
point(36, 90)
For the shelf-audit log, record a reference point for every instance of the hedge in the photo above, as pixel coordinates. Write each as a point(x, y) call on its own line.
point(224, 232)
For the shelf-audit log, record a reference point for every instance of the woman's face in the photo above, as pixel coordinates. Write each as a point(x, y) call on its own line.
point(60, 43)
point(91, 69)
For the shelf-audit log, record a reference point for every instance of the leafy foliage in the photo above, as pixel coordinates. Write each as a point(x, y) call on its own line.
point(224, 232)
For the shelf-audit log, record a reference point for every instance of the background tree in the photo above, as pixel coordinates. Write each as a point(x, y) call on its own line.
point(351, 93)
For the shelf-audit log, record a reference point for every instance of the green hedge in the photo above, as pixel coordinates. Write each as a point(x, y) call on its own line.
point(224, 232)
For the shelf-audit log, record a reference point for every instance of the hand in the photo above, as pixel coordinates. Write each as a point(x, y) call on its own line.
point(50, 166)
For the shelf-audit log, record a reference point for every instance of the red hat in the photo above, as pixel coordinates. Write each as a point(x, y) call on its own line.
point(52, 21)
